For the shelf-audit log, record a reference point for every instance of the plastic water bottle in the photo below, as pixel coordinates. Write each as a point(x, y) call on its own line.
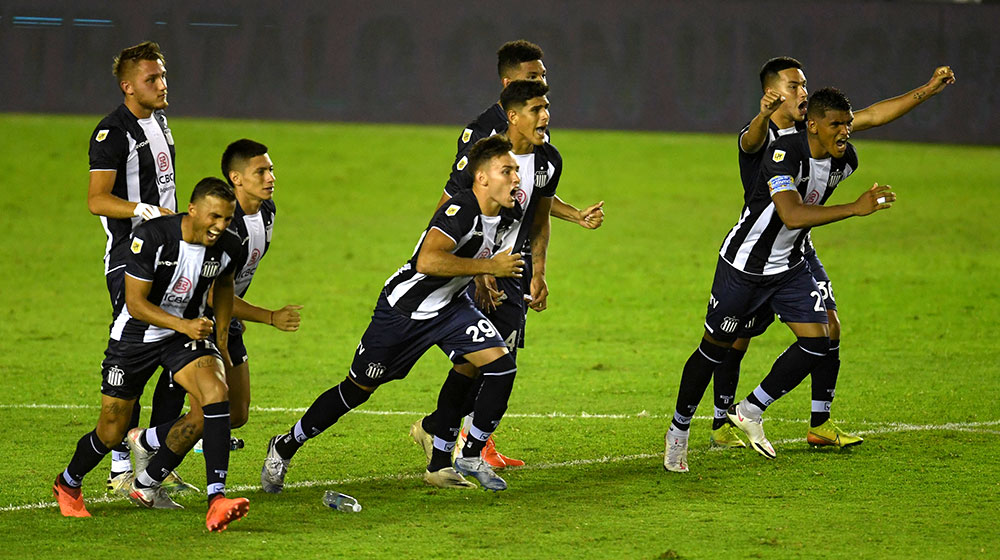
point(340, 502)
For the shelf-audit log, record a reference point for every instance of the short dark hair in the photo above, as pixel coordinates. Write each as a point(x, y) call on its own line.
point(513, 53)
point(238, 153)
point(129, 57)
point(770, 69)
point(212, 186)
point(486, 149)
point(518, 92)
point(827, 99)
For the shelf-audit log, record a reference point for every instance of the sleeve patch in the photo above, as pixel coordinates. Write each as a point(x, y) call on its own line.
point(452, 210)
point(462, 163)
point(136, 245)
point(780, 183)
point(102, 134)
point(778, 156)
point(466, 135)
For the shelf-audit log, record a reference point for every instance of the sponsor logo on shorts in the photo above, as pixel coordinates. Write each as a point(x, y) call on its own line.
point(211, 269)
point(729, 324)
point(116, 376)
point(750, 323)
point(163, 160)
point(712, 302)
point(375, 371)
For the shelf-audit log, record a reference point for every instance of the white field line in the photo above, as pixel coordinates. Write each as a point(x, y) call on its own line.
point(889, 427)
point(577, 415)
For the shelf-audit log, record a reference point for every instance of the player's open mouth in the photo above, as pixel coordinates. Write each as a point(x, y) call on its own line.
point(513, 193)
point(540, 131)
point(212, 235)
point(841, 143)
point(803, 106)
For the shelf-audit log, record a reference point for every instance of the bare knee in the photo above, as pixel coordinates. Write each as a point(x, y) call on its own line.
point(239, 414)
point(114, 420)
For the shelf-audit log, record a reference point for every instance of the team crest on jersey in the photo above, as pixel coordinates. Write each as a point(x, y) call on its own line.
point(452, 210)
point(462, 163)
point(211, 269)
point(136, 245)
point(778, 156)
point(541, 178)
point(466, 135)
point(102, 134)
point(835, 178)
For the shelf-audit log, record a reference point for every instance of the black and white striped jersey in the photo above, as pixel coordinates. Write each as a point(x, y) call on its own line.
point(539, 172)
point(750, 163)
point(760, 243)
point(491, 121)
point(181, 274)
point(141, 151)
point(254, 231)
point(476, 236)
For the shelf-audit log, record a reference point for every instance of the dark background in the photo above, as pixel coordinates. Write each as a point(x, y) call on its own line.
point(654, 65)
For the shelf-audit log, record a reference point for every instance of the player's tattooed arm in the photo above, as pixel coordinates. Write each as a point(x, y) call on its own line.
point(889, 110)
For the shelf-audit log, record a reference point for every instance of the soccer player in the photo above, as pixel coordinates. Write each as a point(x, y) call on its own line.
point(761, 262)
point(174, 260)
point(424, 304)
point(540, 167)
point(782, 111)
point(132, 180)
point(516, 60)
point(249, 170)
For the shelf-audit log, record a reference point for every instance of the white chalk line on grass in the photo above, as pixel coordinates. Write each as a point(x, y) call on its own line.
point(894, 427)
point(566, 415)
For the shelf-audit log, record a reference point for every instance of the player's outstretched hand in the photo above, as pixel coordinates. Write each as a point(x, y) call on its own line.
point(770, 102)
point(879, 197)
point(942, 78)
point(199, 329)
point(488, 297)
point(539, 293)
point(593, 216)
point(287, 318)
point(506, 265)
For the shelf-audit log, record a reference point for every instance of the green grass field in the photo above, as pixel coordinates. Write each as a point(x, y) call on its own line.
point(916, 287)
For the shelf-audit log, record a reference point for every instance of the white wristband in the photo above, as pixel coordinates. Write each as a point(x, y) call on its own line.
point(146, 211)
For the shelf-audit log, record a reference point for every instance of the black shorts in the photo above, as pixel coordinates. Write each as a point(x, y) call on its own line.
point(509, 316)
point(128, 366)
point(737, 297)
point(237, 349)
point(393, 342)
point(822, 280)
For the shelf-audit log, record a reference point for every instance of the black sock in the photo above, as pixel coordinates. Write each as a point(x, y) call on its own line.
point(161, 432)
point(215, 447)
point(726, 378)
point(323, 413)
point(446, 420)
point(89, 452)
point(498, 382)
point(160, 465)
point(791, 368)
point(694, 380)
point(824, 385)
point(168, 400)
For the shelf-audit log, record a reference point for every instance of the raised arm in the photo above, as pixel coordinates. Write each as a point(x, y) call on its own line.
point(436, 259)
point(753, 139)
point(589, 218)
point(889, 110)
